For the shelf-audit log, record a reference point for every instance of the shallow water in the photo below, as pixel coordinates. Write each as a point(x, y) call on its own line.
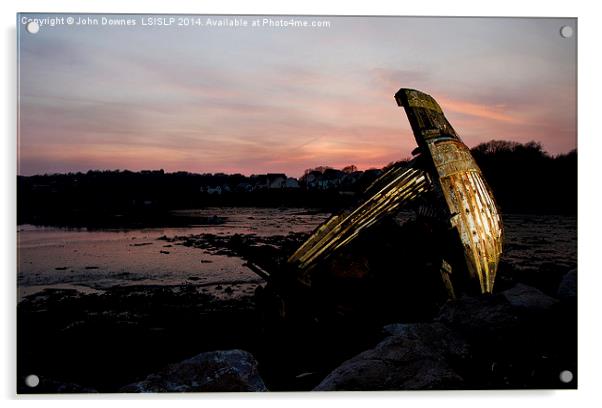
point(90, 261)
point(532, 240)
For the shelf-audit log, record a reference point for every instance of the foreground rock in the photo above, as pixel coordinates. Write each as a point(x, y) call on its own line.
point(415, 356)
point(520, 338)
point(494, 315)
point(528, 298)
point(568, 285)
point(479, 317)
point(217, 371)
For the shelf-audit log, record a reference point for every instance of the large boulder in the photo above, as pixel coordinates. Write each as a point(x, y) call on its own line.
point(528, 298)
point(414, 356)
point(219, 371)
point(568, 285)
point(519, 337)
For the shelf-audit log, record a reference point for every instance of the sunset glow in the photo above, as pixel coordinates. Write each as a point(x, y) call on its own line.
point(242, 100)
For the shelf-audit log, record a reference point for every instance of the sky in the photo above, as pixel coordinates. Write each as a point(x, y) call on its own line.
point(254, 100)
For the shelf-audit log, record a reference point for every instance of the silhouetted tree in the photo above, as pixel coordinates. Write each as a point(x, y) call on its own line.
point(523, 177)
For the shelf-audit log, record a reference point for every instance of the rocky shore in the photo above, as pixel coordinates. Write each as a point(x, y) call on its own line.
point(517, 339)
point(198, 337)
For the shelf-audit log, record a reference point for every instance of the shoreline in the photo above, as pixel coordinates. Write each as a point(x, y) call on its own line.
point(102, 342)
point(105, 341)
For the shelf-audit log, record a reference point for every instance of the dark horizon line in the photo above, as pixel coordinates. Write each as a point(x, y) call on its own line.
point(241, 173)
point(189, 172)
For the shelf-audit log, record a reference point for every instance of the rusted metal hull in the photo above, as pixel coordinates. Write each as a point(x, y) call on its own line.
point(444, 167)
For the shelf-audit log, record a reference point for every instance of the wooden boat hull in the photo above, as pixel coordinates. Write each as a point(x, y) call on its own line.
point(445, 167)
point(473, 212)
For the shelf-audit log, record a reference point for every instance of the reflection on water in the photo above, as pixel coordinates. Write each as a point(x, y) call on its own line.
point(93, 260)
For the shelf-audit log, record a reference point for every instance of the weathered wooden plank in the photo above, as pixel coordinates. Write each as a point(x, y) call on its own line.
point(444, 166)
point(472, 209)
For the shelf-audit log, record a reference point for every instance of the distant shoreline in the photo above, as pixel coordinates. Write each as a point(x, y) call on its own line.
point(523, 178)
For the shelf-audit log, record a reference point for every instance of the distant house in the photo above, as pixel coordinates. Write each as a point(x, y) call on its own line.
point(312, 179)
point(243, 187)
point(272, 181)
point(276, 180)
point(331, 178)
point(259, 181)
point(291, 183)
point(212, 189)
point(326, 180)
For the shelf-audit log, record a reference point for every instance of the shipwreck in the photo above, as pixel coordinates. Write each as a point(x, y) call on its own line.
point(443, 185)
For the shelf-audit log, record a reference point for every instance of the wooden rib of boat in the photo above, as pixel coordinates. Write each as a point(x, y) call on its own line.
point(445, 167)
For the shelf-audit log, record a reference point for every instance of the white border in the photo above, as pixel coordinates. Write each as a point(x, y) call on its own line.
point(589, 204)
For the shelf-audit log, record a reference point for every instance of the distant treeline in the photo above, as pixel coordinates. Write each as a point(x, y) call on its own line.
point(523, 178)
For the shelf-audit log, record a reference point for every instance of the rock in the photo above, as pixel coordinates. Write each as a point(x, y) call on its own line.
point(528, 298)
point(436, 335)
point(479, 316)
point(215, 371)
point(568, 285)
point(415, 356)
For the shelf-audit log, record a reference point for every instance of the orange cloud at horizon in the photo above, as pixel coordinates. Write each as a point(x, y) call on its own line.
point(493, 113)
